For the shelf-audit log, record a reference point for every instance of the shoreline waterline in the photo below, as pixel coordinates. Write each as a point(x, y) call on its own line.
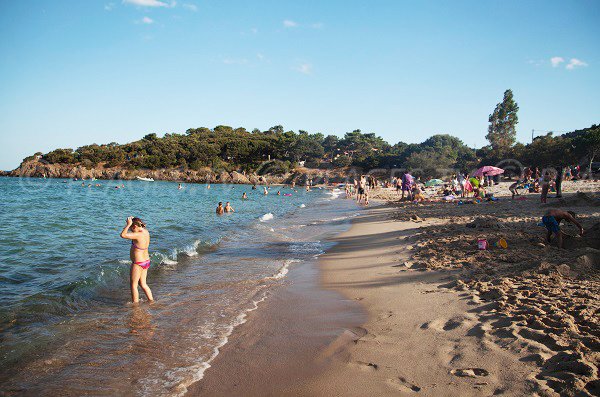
point(205, 287)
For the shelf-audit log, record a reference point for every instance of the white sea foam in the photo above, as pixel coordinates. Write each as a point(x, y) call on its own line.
point(283, 270)
point(335, 193)
point(302, 206)
point(266, 217)
point(164, 259)
point(191, 250)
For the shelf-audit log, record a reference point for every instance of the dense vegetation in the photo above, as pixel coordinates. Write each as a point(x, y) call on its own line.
point(277, 151)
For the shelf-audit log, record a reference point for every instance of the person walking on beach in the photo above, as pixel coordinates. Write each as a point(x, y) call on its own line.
point(220, 209)
point(551, 221)
point(361, 189)
point(514, 189)
point(135, 230)
point(407, 181)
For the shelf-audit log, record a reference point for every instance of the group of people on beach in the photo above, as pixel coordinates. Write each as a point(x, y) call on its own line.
point(410, 188)
point(360, 189)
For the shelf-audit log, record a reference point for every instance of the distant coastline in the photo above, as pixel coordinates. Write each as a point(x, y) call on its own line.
point(40, 169)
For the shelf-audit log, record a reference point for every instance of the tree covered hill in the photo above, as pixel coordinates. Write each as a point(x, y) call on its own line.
point(224, 148)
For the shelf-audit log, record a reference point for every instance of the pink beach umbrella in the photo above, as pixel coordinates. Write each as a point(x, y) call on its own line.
point(488, 170)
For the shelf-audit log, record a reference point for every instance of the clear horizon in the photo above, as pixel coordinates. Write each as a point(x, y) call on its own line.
point(76, 73)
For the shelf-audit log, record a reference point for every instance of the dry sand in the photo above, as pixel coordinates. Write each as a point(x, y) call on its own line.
point(444, 318)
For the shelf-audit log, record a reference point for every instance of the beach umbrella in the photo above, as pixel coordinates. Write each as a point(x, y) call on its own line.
point(488, 170)
point(433, 182)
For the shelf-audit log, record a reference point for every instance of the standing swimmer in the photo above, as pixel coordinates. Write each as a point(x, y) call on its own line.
point(135, 230)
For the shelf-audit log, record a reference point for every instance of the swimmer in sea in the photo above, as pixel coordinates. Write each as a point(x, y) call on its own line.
point(279, 193)
point(135, 230)
point(244, 196)
point(228, 207)
point(266, 191)
point(220, 209)
point(180, 187)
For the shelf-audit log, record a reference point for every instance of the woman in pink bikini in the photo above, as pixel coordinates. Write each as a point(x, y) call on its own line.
point(135, 230)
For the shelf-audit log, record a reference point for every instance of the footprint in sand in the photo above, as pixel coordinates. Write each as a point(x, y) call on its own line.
point(366, 366)
point(469, 372)
point(403, 385)
point(447, 325)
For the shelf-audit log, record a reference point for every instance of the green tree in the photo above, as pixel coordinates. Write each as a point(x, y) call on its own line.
point(587, 143)
point(502, 132)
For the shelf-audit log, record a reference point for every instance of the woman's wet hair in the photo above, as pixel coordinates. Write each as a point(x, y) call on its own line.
point(138, 222)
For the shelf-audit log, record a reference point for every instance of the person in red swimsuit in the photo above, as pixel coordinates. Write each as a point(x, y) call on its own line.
point(135, 230)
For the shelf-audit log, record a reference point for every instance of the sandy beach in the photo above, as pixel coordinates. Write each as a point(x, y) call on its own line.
point(442, 317)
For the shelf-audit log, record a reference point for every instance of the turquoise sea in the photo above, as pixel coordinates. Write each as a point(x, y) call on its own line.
point(66, 323)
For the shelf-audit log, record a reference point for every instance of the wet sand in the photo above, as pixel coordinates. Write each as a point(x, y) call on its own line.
point(274, 352)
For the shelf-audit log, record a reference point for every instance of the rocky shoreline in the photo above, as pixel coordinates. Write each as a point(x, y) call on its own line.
point(40, 169)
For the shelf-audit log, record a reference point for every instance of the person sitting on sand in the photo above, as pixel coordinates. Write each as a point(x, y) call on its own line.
point(228, 207)
point(220, 209)
point(551, 221)
point(475, 185)
point(446, 191)
point(135, 230)
point(244, 196)
point(418, 193)
point(514, 189)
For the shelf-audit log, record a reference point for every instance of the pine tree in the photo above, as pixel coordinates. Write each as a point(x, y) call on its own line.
point(502, 132)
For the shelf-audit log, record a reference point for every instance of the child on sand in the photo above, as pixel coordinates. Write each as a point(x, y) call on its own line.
point(545, 182)
point(135, 230)
point(418, 193)
point(513, 189)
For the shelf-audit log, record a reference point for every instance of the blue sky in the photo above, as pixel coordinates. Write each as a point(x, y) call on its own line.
point(81, 72)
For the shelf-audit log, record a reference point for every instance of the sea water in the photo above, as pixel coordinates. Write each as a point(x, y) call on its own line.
point(66, 321)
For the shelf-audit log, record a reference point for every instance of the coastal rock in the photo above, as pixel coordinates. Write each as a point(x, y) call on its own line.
point(236, 177)
point(39, 168)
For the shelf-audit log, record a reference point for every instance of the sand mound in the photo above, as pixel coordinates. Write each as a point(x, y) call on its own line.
point(590, 238)
point(579, 199)
point(486, 223)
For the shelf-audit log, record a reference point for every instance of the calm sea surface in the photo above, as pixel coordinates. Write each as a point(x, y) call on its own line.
point(66, 322)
